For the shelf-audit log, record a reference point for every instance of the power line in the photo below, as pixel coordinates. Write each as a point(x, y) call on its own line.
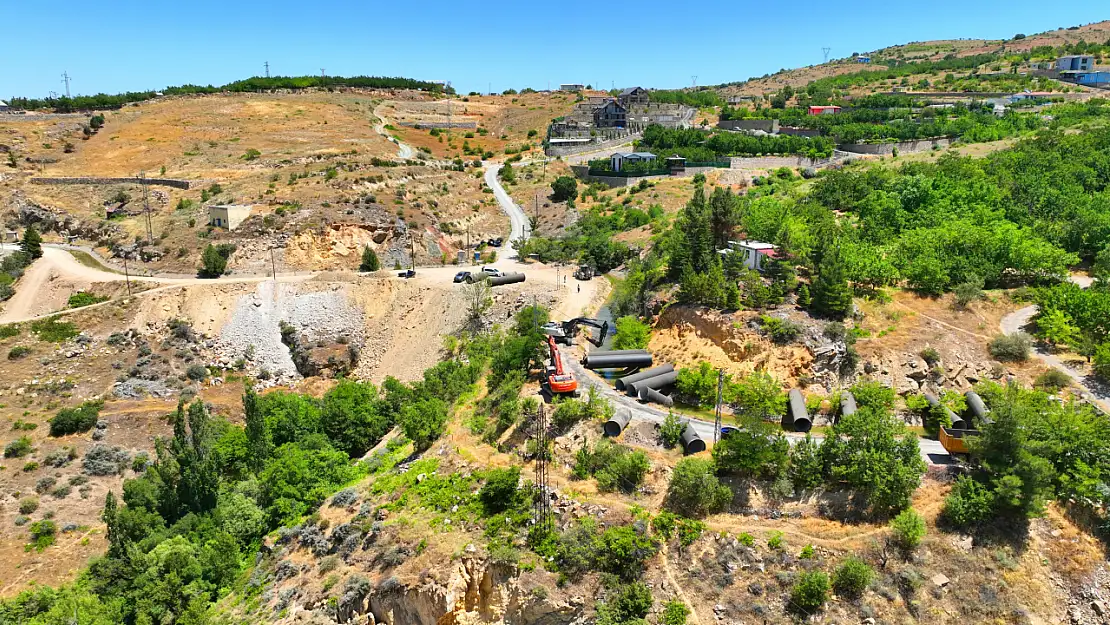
point(694, 80)
point(826, 51)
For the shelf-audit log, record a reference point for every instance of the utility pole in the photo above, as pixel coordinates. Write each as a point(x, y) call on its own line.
point(273, 264)
point(267, 64)
point(66, 79)
point(468, 255)
point(826, 52)
point(126, 275)
point(694, 80)
point(146, 207)
point(717, 411)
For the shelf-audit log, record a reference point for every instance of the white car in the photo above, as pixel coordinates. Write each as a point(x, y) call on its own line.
point(492, 272)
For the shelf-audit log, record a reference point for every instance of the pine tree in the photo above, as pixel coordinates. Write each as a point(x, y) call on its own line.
point(259, 443)
point(31, 245)
point(831, 295)
point(370, 260)
point(109, 516)
point(803, 296)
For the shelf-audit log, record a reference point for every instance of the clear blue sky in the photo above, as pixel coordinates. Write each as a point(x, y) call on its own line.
point(126, 45)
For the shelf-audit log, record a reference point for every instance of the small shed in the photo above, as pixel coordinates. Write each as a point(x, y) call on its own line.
point(618, 159)
point(228, 216)
point(676, 165)
point(824, 110)
point(4, 108)
point(753, 253)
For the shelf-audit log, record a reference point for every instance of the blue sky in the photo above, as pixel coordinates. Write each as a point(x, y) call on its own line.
point(125, 45)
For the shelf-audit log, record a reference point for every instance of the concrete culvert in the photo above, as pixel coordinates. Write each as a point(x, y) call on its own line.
point(957, 422)
point(654, 396)
point(978, 408)
point(847, 404)
point(655, 382)
point(622, 383)
point(604, 360)
point(691, 442)
point(509, 278)
point(797, 417)
point(616, 425)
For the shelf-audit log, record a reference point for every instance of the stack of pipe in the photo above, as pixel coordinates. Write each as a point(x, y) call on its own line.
point(509, 278)
point(652, 395)
point(625, 359)
point(691, 442)
point(622, 383)
point(797, 417)
point(978, 408)
point(655, 382)
point(847, 404)
point(616, 425)
point(957, 422)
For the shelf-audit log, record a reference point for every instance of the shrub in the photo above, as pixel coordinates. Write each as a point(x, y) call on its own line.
point(1012, 347)
point(214, 260)
point(564, 188)
point(27, 505)
point(614, 466)
point(103, 459)
point(810, 592)
point(30, 466)
point(631, 333)
point(370, 260)
point(197, 373)
point(52, 330)
point(43, 534)
point(251, 154)
point(60, 457)
point(674, 613)
point(969, 503)
point(1052, 380)
point(967, 292)
point(75, 420)
point(81, 298)
point(852, 577)
point(61, 492)
point(807, 553)
point(930, 355)
point(17, 352)
point(44, 484)
point(908, 529)
point(9, 330)
point(18, 448)
point(781, 331)
point(501, 491)
point(694, 490)
point(670, 432)
point(774, 541)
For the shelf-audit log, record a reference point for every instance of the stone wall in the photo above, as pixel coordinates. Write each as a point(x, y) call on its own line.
point(163, 182)
point(904, 147)
point(440, 125)
point(774, 162)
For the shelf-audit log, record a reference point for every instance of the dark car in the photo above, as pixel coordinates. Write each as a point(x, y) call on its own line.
point(411, 273)
point(496, 242)
point(461, 277)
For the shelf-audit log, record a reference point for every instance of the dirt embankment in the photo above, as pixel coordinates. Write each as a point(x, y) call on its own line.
point(687, 336)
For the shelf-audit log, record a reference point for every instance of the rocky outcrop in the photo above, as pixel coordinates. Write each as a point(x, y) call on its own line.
point(25, 212)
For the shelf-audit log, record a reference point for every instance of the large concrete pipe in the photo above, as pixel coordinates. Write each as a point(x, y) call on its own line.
point(509, 278)
point(797, 417)
point(978, 408)
point(655, 382)
point(616, 425)
point(847, 404)
point(603, 360)
point(691, 442)
point(957, 422)
point(649, 394)
point(610, 352)
point(622, 383)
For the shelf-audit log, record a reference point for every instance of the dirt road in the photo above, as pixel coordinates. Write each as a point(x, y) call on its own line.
point(404, 150)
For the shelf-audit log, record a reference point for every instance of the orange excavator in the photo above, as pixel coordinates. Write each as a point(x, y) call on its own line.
point(559, 381)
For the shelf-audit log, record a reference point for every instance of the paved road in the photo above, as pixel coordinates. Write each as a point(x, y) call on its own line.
point(521, 226)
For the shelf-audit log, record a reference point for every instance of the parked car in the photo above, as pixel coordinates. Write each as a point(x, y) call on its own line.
point(411, 273)
point(496, 242)
point(492, 272)
point(461, 277)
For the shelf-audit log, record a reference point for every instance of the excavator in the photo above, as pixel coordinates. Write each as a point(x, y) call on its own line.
point(558, 380)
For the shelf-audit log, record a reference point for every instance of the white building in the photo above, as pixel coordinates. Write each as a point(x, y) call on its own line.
point(753, 253)
point(4, 108)
point(228, 215)
point(618, 159)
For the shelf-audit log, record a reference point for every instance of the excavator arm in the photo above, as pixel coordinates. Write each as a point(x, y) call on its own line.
point(570, 328)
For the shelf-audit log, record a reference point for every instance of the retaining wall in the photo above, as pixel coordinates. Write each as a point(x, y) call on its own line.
point(766, 125)
point(570, 150)
point(904, 147)
point(161, 182)
point(440, 125)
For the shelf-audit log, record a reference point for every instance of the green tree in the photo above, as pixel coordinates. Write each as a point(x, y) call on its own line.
point(350, 417)
point(695, 491)
point(1057, 328)
point(564, 188)
point(807, 469)
point(757, 449)
point(260, 444)
point(370, 260)
point(809, 593)
point(501, 491)
point(31, 244)
point(757, 395)
point(213, 263)
point(804, 299)
point(631, 333)
point(423, 421)
point(831, 295)
point(674, 613)
point(507, 174)
point(670, 432)
point(852, 578)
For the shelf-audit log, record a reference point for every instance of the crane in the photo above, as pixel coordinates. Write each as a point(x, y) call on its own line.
point(558, 380)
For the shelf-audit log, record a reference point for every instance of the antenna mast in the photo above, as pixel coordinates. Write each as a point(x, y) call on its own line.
point(694, 81)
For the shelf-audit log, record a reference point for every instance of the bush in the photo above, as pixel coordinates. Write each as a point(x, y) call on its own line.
point(81, 298)
point(614, 466)
point(27, 505)
point(75, 420)
point(17, 352)
point(501, 491)
point(930, 355)
point(670, 432)
point(631, 333)
point(43, 534)
point(970, 503)
point(18, 448)
point(563, 189)
point(1011, 348)
point(1052, 380)
point(674, 613)
point(967, 292)
point(852, 578)
point(628, 605)
point(102, 459)
point(695, 491)
point(44, 484)
point(197, 373)
point(908, 529)
point(810, 592)
point(60, 457)
point(781, 331)
point(370, 260)
point(214, 260)
point(52, 330)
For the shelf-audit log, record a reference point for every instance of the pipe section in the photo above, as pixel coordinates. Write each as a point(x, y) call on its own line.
point(622, 383)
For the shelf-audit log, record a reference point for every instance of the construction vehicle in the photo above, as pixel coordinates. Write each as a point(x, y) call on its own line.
point(557, 380)
point(954, 441)
point(565, 331)
point(584, 272)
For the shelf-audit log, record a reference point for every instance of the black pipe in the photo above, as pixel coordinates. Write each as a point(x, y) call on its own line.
point(847, 404)
point(796, 417)
point(957, 422)
point(616, 425)
point(616, 361)
point(978, 408)
point(643, 375)
point(656, 382)
point(649, 394)
point(509, 278)
point(691, 442)
point(611, 352)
